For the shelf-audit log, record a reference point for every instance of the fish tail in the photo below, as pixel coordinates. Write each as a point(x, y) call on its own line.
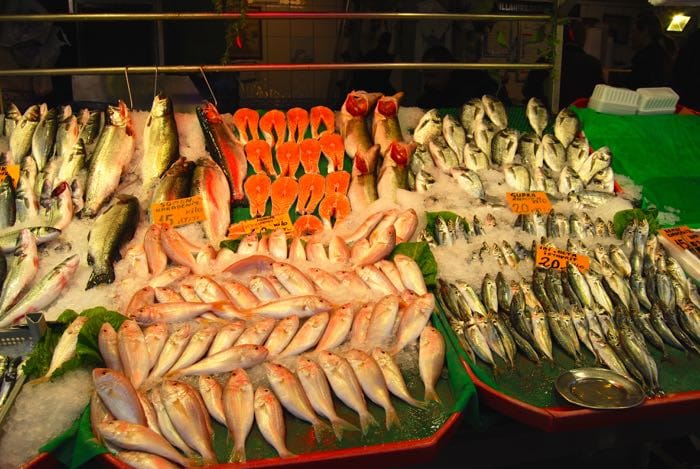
point(392, 418)
point(432, 395)
point(416, 403)
point(366, 420)
point(285, 453)
point(98, 278)
point(320, 427)
point(339, 425)
point(237, 455)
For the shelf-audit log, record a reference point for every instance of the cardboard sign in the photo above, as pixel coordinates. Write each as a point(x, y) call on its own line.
point(528, 202)
point(179, 212)
point(553, 258)
point(268, 223)
point(684, 238)
point(11, 170)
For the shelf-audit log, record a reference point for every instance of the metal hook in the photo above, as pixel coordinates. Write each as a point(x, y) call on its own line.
point(201, 70)
point(155, 83)
point(128, 88)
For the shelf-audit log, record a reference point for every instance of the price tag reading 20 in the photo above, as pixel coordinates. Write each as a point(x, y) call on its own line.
point(553, 258)
point(179, 212)
point(528, 202)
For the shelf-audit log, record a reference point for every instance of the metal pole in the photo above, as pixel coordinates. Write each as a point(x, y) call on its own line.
point(84, 17)
point(272, 68)
point(555, 74)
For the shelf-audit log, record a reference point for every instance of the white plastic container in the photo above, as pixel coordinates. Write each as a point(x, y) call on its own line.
point(660, 100)
point(611, 100)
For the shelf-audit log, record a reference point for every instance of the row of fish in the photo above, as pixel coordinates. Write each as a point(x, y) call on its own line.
point(612, 310)
point(145, 427)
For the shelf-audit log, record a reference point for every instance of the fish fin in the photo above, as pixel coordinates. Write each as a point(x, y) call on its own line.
point(100, 278)
point(432, 395)
point(366, 420)
point(392, 418)
point(320, 427)
point(237, 455)
point(339, 425)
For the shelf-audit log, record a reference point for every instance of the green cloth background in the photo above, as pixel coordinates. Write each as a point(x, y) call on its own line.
point(660, 153)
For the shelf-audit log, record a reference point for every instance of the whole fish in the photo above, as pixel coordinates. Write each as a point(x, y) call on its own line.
point(385, 125)
point(291, 394)
point(8, 204)
point(22, 267)
point(226, 337)
point(338, 328)
point(67, 134)
point(209, 181)
point(238, 356)
point(382, 321)
point(226, 150)
point(98, 414)
point(504, 145)
point(166, 426)
point(302, 306)
point(444, 157)
point(576, 153)
point(114, 150)
point(107, 342)
point(537, 115)
point(308, 335)
point(239, 410)
point(155, 335)
point(21, 137)
point(132, 436)
point(188, 417)
point(44, 137)
point(281, 335)
point(360, 326)
point(594, 163)
point(393, 378)
point(196, 348)
point(431, 357)
point(346, 386)
point(11, 118)
point(469, 181)
point(566, 126)
point(413, 320)
point(528, 148)
point(553, 153)
point(156, 257)
point(65, 349)
point(132, 351)
point(160, 142)
point(540, 331)
point(270, 420)
point(293, 279)
point(110, 231)
point(118, 395)
point(212, 395)
point(518, 177)
point(73, 164)
point(141, 460)
point(454, 135)
point(173, 348)
point(27, 202)
point(372, 382)
point(474, 158)
point(59, 211)
point(470, 113)
point(175, 182)
point(429, 126)
point(495, 111)
point(352, 124)
point(607, 355)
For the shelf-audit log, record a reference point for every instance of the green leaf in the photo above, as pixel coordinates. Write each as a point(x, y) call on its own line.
point(38, 362)
point(431, 216)
point(67, 316)
point(420, 252)
point(624, 217)
point(231, 244)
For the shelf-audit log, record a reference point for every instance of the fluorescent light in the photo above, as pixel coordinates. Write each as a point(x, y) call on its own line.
point(678, 23)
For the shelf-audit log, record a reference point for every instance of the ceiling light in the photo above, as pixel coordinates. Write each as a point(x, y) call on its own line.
point(678, 23)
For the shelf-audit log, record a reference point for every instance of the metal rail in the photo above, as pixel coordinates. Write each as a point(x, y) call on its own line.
point(273, 67)
point(90, 17)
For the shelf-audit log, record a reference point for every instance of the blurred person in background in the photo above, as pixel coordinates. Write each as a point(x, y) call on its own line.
point(580, 72)
point(652, 61)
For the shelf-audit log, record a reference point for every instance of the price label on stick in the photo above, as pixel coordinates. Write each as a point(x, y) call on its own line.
point(553, 258)
point(179, 212)
point(11, 170)
point(268, 223)
point(684, 238)
point(528, 202)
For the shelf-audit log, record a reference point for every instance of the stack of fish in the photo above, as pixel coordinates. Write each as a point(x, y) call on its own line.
point(631, 294)
point(558, 164)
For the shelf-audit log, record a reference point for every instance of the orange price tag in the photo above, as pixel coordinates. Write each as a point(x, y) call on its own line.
point(684, 238)
point(553, 258)
point(178, 212)
point(11, 170)
point(528, 202)
point(268, 223)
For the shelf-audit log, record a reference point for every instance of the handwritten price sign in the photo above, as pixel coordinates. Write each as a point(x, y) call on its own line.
point(11, 170)
point(684, 238)
point(528, 202)
point(179, 212)
point(553, 258)
point(258, 225)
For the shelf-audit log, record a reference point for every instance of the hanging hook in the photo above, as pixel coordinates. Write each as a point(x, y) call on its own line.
point(155, 83)
point(128, 87)
point(201, 70)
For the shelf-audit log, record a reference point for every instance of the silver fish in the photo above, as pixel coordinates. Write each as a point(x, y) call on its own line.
point(528, 148)
point(429, 126)
point(474, 158)
point(471, 112)
point(504, 145)
point(495, 111)
point(454, 135)
point(553, 153)
point(484, 132)
point(576, 153)
point(566, 126)
point(537, 115)
point(518, 177)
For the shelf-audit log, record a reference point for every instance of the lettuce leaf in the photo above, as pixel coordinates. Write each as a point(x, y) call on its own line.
point(420, 252)
point(624, 217)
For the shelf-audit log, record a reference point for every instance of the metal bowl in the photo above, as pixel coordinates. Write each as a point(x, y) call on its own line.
point(599, 388)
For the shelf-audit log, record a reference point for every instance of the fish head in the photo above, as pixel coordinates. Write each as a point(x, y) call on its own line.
point(306, 367)
point(263, 397)
point(161, 106)
point(388, 106)
point(34, 112)
point(401, 152)
point(357, 103)
point(210, 113)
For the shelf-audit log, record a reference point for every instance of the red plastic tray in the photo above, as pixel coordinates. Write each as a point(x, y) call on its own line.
point(407, 452)
point(575, 418)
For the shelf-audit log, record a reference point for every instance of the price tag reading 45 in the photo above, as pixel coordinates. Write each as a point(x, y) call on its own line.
point(684, 238)
point(553, 258)
point(528, 202)
point(179, 212)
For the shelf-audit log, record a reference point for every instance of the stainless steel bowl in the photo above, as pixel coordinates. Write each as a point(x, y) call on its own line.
point(599, 388)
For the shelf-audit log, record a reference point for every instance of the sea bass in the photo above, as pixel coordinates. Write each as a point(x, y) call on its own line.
point(160, 142)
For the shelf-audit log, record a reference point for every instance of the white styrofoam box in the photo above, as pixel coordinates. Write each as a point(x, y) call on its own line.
point(661, 100)
point(611, 100)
